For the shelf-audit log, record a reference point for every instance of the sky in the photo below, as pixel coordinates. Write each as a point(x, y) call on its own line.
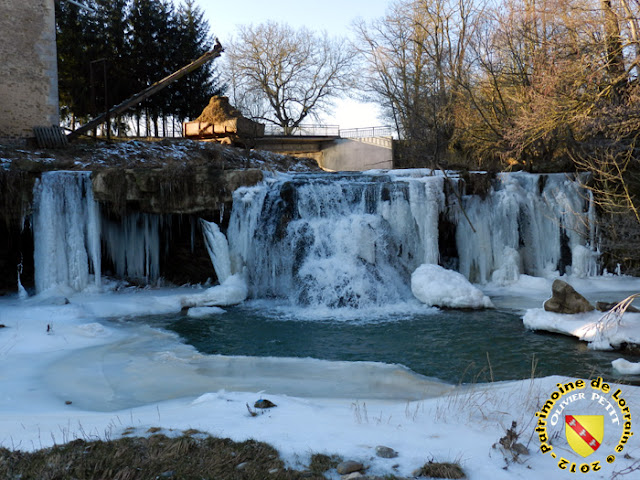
point(334, 16)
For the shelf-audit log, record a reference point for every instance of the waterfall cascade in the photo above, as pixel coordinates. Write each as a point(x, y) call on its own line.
point(354, 240)
point(69, 228)
point(336, 240)
point(66, 231)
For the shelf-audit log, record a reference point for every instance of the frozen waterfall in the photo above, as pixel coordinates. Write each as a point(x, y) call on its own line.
point(69, 231)
point(334, 240)
point(218, 249)
point(354, 239)
point(66, 231)
point(540, 225)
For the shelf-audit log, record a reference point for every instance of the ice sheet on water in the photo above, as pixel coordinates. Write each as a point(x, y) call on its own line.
point(151, 366)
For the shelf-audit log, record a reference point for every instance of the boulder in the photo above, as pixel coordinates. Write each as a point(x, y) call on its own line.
point(349, 466)
point(564, 299)
point(385, 452)
point(264, 403)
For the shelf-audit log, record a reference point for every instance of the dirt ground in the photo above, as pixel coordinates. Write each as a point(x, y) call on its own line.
point(145, 153)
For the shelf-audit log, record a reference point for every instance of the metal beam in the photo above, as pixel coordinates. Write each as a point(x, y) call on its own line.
point(149, 91)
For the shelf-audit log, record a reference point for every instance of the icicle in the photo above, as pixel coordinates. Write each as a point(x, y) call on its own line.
point(218, 249)
point(133, 244)
point(22, 293)
point(66, 232)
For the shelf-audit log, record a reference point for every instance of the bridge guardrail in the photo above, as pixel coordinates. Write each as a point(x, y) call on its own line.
point(304, 130)
point(367, 132)
point(330, 131)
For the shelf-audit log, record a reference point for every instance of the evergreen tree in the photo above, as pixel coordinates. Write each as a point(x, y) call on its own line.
point(191, 93)
point(74, 39)
point(138, 42)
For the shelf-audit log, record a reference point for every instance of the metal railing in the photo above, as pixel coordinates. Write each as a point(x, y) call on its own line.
point(330, 131)
point(367, 132)
point(304, 130)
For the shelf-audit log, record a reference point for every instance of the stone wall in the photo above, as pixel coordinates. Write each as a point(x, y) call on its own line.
point(28, 69)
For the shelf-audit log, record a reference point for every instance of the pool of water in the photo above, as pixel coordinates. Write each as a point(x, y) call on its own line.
point(454, 346)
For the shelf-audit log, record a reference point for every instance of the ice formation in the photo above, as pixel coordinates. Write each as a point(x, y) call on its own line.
point(340, 240)
point(66, 231)
point(436, 286)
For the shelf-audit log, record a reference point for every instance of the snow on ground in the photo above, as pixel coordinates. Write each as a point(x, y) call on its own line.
point(119, 374)
point(529, 293)
point(588, 327)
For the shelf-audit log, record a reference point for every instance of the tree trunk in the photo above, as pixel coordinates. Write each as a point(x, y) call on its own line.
point(613, 45)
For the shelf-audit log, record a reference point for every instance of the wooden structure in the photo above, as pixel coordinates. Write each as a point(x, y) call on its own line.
point(220, 122)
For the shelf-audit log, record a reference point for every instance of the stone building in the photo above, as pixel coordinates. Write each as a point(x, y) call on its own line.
point(28, 67)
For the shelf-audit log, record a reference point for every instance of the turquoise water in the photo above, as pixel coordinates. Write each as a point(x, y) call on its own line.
point(454, 346)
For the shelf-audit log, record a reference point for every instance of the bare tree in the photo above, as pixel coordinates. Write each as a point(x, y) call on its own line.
point(283, 76)
point(416, 60)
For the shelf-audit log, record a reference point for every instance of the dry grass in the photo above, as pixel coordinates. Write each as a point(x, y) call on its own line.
point(442, 470)
point(157, 456)
point(320, 463)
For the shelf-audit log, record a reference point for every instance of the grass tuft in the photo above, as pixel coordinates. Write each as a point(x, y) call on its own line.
point(136, 458)
point(320, 463)
point(442, 470)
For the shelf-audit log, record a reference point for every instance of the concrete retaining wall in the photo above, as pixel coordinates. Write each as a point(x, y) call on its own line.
point(28, 67)
point(351, 154)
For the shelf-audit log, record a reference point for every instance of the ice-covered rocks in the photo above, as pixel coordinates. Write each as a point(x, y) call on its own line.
point(439, 287)
point(564, 299)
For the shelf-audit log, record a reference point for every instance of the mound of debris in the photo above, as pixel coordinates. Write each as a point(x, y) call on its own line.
point(222, 122)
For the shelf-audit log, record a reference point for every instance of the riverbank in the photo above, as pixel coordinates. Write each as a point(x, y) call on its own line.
point(63, 362)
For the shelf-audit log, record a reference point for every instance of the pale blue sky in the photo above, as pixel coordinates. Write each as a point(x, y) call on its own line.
point(334, 16)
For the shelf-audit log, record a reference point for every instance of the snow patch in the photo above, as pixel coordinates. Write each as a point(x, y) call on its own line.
point(437, 286)
point(626, 367)
point(587, 327)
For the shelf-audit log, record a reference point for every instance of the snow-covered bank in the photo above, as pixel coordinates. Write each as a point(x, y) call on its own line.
point(587, 327)
point(118, 375)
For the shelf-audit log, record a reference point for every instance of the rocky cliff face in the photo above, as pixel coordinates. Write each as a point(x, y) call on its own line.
point(201, 190)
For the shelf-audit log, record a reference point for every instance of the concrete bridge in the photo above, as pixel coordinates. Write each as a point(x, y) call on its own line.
point(334, 149)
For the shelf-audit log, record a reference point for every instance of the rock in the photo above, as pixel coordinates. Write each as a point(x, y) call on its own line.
point(606, 306)
point(264, 403)
point(565, 299)
point(349, 466)
point(68, 402)
point(386, 452)
point(167, 474)
point(241, 466)
point(273, 471)
point(2, 326)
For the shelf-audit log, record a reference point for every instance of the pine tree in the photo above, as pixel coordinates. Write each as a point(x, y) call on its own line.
point(138, 42)
point(191, 94)
point(74, 35)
